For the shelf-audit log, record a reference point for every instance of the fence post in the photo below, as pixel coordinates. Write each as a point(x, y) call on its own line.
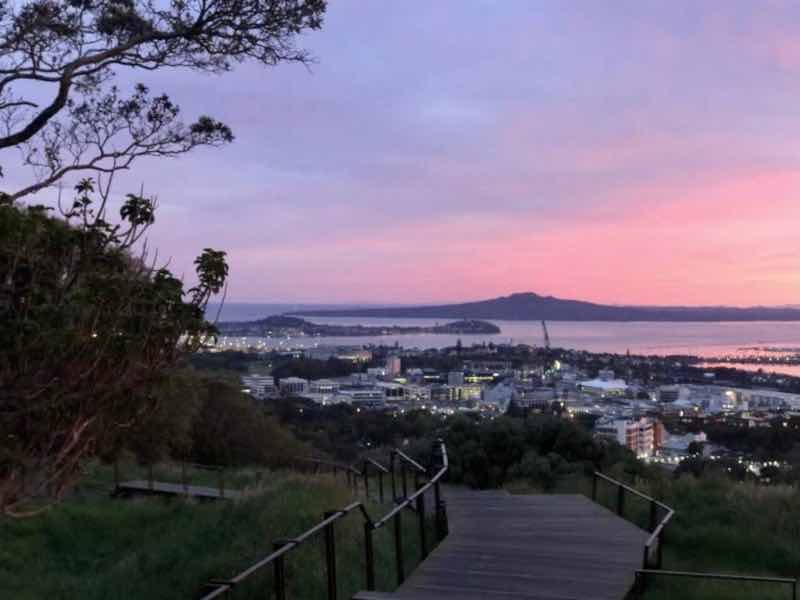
point(280, 571)
point(369, 556)
point(330, 556)
point(391, 474)
point(398, 547)
point(437, 499)
point(380, 485)
point(620, 500)
point(659, 550)
point(405, 481)
point(653, 515)
point(422, 535)
point(594, 487)
point(366, 480)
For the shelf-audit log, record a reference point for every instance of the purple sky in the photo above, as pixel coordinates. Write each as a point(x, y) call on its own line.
point(636, 152)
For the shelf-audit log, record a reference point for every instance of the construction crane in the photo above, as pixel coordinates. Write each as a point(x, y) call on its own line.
point(546, 336)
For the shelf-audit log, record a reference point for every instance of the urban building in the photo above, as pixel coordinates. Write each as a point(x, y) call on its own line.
point(293, 386)
point(259, 387)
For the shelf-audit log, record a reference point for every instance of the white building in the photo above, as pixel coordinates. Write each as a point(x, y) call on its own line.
point(362, 397)
point(259, 386)
point(643, 436)
point(604, 387)
point(455, 378)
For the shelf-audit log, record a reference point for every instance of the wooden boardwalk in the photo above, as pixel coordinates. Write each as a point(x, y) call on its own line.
point(145, 487)
point(539, 547)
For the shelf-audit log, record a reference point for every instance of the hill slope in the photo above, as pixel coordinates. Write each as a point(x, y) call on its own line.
point(530, 306)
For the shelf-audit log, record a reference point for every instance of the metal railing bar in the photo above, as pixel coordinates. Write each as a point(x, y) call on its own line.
point(628, 488)
point(410, 461)
point(657, 531)
point(698, 575)
point(410, 499)
point(378, 465)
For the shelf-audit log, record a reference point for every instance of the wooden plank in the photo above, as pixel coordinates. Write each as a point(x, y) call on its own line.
point(542, 547)
point(174, 489)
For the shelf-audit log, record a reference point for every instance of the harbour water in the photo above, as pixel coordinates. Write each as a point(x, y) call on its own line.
point(727, 339)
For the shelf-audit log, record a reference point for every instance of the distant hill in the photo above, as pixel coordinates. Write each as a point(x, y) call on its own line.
point(283, 325)
point(529, 306)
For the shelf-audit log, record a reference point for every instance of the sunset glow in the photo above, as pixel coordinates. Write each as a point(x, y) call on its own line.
point(630, 152)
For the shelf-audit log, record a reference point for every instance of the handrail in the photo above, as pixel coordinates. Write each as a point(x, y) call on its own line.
point(757, 578)
point(630, 489)
point(656, 528)
point(415, 501)
point(283, 546)
point(375, 463)
point(641, 575)
point(410, 461)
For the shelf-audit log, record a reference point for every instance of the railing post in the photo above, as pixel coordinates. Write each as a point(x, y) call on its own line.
point(391, 474)
point(380, 485)
point(437, 499)
point(423, 543)
point(366, 480)
point(620, 500)
point(279, 565)
point(405, 481)
point(398, 547)
point(369, 556)
point(659, 550)
point(594, 487)
point(330, 556)
point(653, 515)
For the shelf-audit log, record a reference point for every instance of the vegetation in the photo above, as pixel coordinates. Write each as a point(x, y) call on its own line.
point(89, 334)
point(96, 547)
point(91, 331)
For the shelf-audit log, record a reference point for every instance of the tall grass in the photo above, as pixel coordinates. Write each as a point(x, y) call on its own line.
point(95, 547)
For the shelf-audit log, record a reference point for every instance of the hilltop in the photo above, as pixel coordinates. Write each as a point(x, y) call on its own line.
point(529, 306)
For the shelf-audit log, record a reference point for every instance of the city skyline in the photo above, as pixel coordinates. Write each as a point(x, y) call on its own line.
point(640, 153)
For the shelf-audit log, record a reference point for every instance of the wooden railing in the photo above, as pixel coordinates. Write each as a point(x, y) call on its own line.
point(415, 502)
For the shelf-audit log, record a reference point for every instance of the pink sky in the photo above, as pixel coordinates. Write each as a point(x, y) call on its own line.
point(627, 152)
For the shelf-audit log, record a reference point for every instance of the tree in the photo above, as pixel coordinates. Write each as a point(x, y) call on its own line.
point(92, 329)
point(90, 333)
point(68, 51)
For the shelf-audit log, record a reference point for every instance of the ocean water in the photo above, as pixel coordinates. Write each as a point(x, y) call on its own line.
point(649, 338)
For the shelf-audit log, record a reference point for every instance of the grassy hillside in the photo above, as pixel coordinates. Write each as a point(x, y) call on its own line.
point(95, 547)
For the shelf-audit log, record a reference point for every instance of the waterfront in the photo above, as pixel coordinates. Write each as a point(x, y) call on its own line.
point(701, 339)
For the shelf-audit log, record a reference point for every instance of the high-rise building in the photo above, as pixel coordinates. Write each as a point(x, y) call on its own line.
point(393, 366)
point(643, 436)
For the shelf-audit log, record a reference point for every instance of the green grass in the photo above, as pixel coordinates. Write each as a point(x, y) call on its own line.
point(719, 526)
point(95, 547)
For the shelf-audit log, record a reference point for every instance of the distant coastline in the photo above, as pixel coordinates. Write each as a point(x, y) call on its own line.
point(283, 325)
